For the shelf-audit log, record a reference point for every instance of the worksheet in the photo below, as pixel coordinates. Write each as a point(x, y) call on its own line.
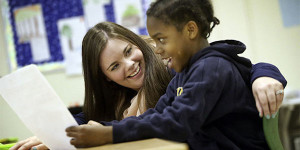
point(35, 102)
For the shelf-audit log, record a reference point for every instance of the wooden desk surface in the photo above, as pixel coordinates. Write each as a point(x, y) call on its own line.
point(149, 144)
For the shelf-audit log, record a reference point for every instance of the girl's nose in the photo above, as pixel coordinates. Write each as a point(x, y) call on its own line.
point(158, 50)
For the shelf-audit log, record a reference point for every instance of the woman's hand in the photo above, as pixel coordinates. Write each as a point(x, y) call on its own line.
point(31, 143)
point(92, 134)
point(268, 94)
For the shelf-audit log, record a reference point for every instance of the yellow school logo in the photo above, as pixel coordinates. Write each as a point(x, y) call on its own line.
point(179, 91)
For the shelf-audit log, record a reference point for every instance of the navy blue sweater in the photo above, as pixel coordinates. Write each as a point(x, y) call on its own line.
point(209, 104)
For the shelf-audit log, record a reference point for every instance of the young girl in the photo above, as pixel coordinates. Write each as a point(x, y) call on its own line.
point(208, 104)
point(117, 65)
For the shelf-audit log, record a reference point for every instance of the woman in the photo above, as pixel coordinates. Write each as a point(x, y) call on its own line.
point(106, 96)
point(121, 71)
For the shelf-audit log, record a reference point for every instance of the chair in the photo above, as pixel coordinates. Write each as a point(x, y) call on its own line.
point(270, 127)
point(289, 123)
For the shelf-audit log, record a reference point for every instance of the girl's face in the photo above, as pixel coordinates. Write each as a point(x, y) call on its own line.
point(170, 43)
point(123, 63)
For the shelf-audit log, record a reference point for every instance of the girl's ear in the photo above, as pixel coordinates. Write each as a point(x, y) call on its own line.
point(192, 29)
point(108, 79)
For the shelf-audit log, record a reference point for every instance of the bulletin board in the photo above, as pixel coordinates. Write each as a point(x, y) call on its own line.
point(50, 32)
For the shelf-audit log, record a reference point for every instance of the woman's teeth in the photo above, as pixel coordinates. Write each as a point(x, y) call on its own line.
point(136, 72)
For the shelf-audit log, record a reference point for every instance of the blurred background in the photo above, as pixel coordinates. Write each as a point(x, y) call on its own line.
point(49, 34)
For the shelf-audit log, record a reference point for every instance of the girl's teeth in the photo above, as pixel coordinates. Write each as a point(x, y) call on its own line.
point(166, 61)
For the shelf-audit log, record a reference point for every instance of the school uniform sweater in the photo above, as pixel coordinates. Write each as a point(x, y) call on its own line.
point(208, 105)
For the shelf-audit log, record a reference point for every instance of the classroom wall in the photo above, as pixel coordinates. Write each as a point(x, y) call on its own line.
point(234, 23)
point(3, 54)
point(257, 23)
point(273, 42)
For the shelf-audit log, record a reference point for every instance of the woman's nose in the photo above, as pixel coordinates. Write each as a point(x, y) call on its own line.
point(129, 64)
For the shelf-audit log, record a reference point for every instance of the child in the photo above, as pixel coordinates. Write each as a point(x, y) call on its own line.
point(208, 104)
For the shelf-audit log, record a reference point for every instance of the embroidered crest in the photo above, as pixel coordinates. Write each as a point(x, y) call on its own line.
point(179, 91)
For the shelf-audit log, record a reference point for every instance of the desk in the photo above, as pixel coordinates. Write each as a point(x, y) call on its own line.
point(149, 144)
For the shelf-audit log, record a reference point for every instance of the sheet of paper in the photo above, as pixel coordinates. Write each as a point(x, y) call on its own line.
point(29, 94)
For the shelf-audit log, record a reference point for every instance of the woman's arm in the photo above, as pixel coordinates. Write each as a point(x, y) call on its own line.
point(266, 80)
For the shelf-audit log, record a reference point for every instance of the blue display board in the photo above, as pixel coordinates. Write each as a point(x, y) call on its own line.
point(52, 11)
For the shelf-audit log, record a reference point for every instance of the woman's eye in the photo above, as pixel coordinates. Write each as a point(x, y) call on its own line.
point(128, 52)
point(114, 67)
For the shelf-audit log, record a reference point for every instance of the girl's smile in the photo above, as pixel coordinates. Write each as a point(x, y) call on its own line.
point(167, 61)
point(170, 43)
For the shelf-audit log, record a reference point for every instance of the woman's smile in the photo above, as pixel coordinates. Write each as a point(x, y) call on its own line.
point(136, 73)
point(123, 63)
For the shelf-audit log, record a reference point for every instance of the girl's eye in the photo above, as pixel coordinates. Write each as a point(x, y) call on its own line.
point(114, 67)
point(128, 52)
point(161, 40)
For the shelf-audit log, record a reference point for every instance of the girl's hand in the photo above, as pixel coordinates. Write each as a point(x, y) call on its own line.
point(92, 134)
point(267, 98)
point(32, 143)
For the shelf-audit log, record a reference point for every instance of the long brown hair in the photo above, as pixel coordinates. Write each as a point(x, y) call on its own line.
point(106, 100)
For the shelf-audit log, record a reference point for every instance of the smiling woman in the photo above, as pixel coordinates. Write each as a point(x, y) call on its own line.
point(123, 63)
point(114, 67)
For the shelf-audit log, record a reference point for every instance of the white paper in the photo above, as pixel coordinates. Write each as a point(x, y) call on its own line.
point(71, 33)
point(31, 28)
point(129, 14)
point(29, 94)
point(94, 11)
point(39, 48)
point(30, 22)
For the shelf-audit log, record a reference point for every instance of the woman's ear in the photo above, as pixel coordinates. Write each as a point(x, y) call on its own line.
point(192, 29)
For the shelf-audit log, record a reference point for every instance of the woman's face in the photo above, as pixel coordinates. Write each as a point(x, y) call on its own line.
point(123, 63)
